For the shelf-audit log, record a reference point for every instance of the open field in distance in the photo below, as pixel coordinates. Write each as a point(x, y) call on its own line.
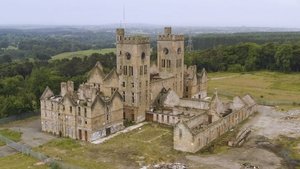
point(82, 53)
point(270, 88)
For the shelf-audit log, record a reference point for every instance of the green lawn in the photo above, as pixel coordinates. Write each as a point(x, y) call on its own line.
point(13, 135)
point(19, 161)
point(150, 144)
point(270, 88)
point(82, 53)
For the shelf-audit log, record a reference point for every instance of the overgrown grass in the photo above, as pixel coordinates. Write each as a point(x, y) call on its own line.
point(150, 144)
point(19, 161)
point(82, 53)
point(270, 88)
point(11, 134)
point(291, 144)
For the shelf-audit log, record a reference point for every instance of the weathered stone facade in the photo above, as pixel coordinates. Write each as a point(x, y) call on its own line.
point(100, 105)
point(193, 134)
point(94, 111)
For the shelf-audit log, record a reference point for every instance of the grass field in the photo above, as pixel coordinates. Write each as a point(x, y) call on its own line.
point(82, 53)
point(151, 143)
point(13, 135)
point(19, 161)
point(269, 88)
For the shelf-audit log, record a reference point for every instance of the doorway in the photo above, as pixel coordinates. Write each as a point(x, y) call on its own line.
point(85, 136)
point(108, 132)
point(80, 134)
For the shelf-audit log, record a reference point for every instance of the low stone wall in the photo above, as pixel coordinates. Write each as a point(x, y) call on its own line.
point(192, 141)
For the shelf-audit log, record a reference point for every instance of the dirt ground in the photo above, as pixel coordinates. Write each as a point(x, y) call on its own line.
point(267, 124)
point(32, 135)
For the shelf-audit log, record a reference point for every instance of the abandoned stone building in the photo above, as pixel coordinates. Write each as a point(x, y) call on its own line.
point(100, 105)
point(93, 111)
point(198, 131)
point(165, 92)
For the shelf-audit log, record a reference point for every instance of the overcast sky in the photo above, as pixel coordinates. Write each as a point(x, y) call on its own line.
point(260, 13)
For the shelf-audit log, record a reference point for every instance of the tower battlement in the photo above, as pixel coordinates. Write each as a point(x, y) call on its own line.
point(135, 40)
point(170, 37)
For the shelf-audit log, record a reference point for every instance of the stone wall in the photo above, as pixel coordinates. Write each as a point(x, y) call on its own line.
point(188, 139)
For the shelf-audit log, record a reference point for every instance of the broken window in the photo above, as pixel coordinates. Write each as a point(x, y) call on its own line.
point(145, 69)
point(180, 133)
point(133, 98)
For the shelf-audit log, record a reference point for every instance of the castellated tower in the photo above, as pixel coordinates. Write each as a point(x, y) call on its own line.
point(170, 59)
point(133, 64)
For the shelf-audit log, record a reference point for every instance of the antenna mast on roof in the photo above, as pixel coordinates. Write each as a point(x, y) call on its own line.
point(124, 24)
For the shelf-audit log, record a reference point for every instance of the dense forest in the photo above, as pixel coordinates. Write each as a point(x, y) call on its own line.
point(283, 57)
point(41, 44)
point(22, 83)
point(208, 41)
point(25, 68)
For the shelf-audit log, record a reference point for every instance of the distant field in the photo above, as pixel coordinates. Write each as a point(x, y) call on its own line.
point(82, 53)
point(269, 88)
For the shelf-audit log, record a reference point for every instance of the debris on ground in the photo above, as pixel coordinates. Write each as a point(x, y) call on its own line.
point(249, 166)
point(241, 137)
point(166, 166)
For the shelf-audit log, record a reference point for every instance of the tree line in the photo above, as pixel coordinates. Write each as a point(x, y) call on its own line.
point(41, 44)
point(23, 82)
point(283, 57)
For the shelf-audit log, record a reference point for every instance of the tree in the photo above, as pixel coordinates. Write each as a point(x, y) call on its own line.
point(283, 57)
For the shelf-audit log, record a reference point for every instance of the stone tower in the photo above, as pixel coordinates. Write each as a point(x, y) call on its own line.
point(133, 64)
point(170, 57)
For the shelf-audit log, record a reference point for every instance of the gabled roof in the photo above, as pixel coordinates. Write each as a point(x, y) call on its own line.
point(99, 65)
point(112, 74)
point(115, 95)
point(167, 98)
point(106, 101)
point(47, 93)
point(248, 99)
point(97, 69)
point(238, 103)
point(99, 99)
point(69, 97)
point(216, 104)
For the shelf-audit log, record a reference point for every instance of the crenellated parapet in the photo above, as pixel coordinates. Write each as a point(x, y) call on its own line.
point(170, 37)
point(135, 40)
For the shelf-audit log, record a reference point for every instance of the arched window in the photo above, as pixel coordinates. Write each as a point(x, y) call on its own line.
point(166, 51)
point(179, 51)
point(143, 56)
point(128, 55)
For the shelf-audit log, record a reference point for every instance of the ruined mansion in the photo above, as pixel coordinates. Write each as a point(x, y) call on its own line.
point(167, 92)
